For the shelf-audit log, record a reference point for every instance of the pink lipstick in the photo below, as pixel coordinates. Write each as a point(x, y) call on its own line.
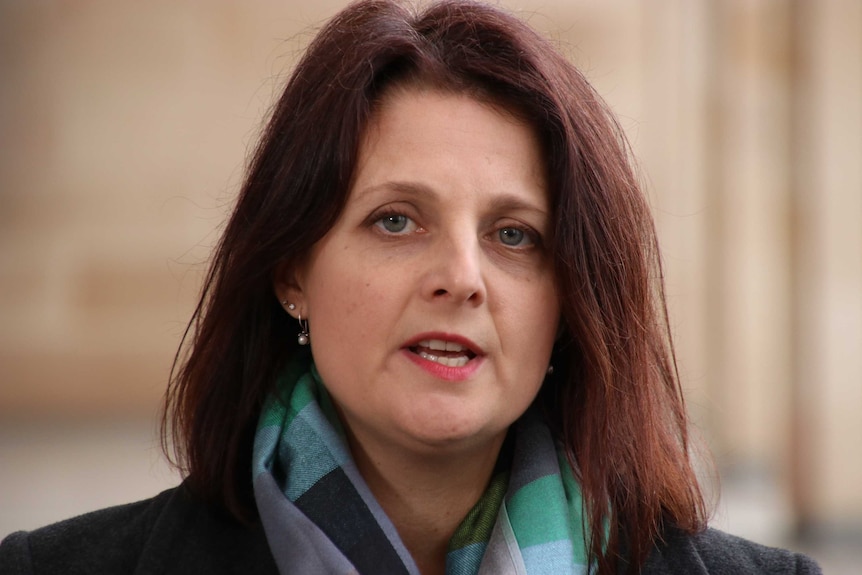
point(446, 356)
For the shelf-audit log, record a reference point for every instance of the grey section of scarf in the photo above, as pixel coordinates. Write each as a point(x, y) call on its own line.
point(297, 544)
point(502, 556)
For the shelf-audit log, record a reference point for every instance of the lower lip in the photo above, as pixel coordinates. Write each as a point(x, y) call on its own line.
point(445, 372)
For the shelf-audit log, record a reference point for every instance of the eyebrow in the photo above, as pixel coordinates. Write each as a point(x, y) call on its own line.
point(501, 202)
point(412, 188)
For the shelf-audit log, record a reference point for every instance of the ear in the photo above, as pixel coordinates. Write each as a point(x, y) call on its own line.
point(561, 329)
point(288, 289)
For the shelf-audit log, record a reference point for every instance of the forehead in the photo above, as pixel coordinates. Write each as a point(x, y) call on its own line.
point(449, 131)
point(423, 99)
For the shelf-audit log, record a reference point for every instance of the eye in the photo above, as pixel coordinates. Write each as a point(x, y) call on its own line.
point(515, 237)
point(396, 224)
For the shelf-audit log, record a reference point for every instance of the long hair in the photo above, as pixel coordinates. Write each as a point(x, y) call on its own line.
point(614, 401)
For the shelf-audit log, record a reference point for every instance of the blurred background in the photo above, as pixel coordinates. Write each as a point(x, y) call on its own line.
point(124, 132)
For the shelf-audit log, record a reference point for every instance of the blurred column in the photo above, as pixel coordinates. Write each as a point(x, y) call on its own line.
point(748, 281)
point(674, 147)
point(827, 240)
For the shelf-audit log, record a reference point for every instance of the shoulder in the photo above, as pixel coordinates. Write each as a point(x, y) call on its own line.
point(718, 553)
point(111, 537)
point(170, 533)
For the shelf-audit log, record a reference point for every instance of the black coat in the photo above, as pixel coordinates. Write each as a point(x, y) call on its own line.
point(173, 533)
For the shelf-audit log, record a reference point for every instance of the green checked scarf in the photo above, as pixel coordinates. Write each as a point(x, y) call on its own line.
point(320, 516)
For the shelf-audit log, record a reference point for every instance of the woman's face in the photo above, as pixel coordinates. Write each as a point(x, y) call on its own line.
point(431, 302)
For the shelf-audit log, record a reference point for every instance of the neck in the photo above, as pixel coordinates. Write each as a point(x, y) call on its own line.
point(426, 496)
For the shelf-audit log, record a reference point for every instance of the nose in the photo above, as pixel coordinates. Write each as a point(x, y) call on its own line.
point(454, 271)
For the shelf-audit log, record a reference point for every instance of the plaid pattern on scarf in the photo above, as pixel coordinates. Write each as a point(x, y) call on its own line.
point(534, 510)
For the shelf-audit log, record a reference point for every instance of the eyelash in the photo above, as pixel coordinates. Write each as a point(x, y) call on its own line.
point(529, 234)
point(377, 220)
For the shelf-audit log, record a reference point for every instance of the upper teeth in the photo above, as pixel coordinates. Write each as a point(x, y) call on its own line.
point(441, 345)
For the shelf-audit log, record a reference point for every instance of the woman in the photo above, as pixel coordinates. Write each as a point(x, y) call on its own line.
point(432, 339)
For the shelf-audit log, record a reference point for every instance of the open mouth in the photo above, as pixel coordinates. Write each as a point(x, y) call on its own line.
point(446, 353)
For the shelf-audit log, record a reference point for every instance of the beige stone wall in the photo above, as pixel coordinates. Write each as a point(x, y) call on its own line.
point(124, 129)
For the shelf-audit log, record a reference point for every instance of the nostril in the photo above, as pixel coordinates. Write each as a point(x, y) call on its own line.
point(440, 292)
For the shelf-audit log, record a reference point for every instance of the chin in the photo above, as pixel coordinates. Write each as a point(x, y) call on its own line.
point(440, 433)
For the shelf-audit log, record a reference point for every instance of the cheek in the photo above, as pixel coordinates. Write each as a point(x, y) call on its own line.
point(533, 318)
point(350, 305)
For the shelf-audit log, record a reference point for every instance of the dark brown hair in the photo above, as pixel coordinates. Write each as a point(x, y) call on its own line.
point(614, 400)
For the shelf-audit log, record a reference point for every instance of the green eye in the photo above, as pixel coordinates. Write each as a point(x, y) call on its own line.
point(512, 236)
point(394, 223)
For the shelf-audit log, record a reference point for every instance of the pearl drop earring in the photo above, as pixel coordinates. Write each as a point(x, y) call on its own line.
point(303, 337)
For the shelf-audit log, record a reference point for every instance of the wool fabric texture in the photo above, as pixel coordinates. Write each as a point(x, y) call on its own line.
point(313, 501)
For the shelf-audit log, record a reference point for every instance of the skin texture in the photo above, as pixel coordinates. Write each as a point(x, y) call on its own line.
point(442, 237)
